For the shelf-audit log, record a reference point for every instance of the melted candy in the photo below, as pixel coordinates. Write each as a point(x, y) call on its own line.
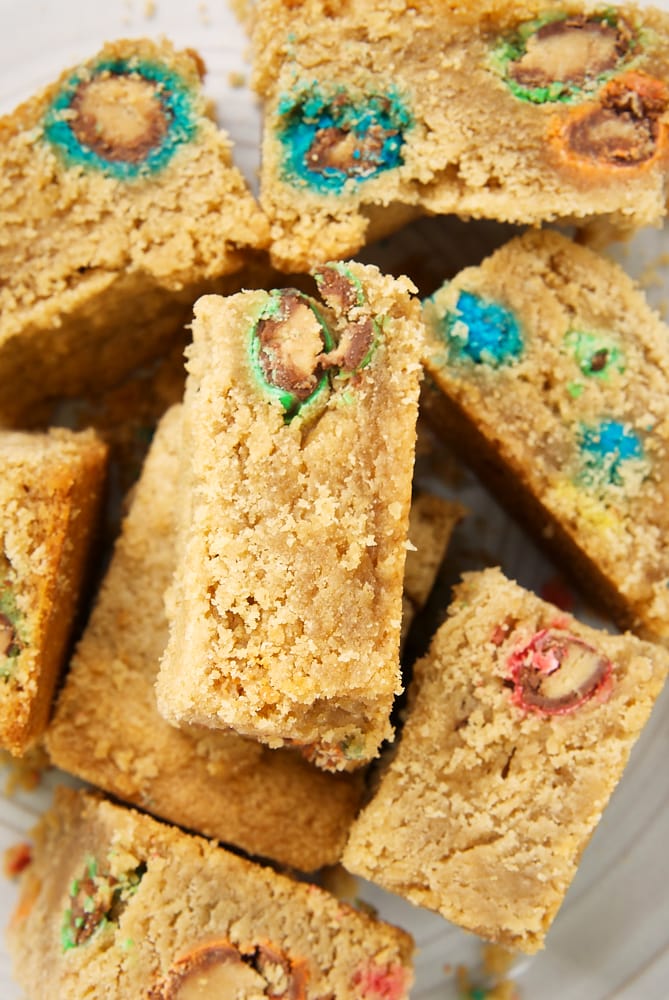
point(125, 118)
point(329, 141)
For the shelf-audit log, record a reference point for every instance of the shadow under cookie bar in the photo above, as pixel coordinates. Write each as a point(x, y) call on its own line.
point(519, 725)
point(107, 730)
point(432, 520)
point(50, 497)
point(121, 206)
point(124, 906)
point(554, 387)
point(299, 442)
point(520, 112)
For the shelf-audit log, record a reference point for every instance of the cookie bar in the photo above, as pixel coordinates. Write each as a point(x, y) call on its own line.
point(123, 906)
point(519, 726)
point(50, 495)
point(107, 730)
point(299, 443)
point(555, 389)
point(523, 112)
point(120, 206)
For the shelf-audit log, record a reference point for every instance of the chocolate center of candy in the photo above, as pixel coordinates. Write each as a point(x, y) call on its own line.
point(623, 130)
point(296, 343)
point(291, 346)
point(334, 140)
point(570, 51)
point(344, 150)
point(345, 297)
point(614, 138)
point(556, 672)
point(221, 970)
point(599, 360)
point(119, 116)
point(91, 902)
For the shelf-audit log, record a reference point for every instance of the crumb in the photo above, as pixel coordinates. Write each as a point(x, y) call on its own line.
point(650, 276)
point(24, 773)
point(236, 79)
point(503, 990)
point(243, 10)
point(16, 858)
point(149, 9)
point(203, 11)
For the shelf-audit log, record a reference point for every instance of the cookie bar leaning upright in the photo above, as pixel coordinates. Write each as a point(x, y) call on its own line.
point(524, 111)
point(125, 907)
point(50, 495)
point(554, 372)
point(271, 803)
point(119, 205)
point(520, 723)
point(299, 432)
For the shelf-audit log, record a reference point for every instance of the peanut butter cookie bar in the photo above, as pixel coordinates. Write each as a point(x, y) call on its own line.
point(299, 444)
point(107, 730)
point(123, 906)
point(517, 111)
point(119, 206)
point(519, 726)
point(50, 495)
point(556, 387)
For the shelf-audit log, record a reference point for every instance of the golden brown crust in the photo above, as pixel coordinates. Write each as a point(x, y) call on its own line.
point(51, 497)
